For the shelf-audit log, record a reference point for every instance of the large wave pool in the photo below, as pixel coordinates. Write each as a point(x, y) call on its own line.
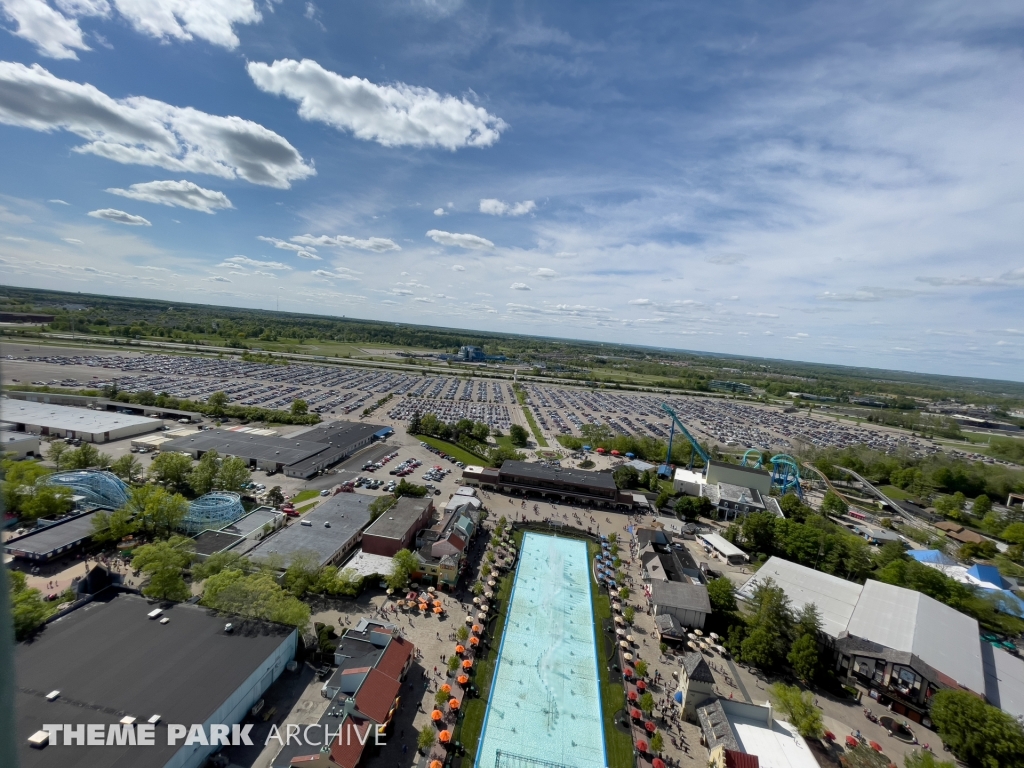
point(545, 701)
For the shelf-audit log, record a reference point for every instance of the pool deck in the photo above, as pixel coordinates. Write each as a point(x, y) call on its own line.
point(545, 701)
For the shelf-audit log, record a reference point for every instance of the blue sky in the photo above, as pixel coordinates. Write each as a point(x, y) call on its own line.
point(800, 180)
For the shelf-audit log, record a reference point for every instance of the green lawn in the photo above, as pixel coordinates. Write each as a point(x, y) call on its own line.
point(304, 509)
point(533, 426)
point(460, 453)
point(505, 442)
point(895, 493)
point(302, 496)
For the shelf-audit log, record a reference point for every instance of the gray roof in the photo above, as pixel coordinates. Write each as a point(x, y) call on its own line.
point(908, 621)
point(64, 417)
point(283, 450)
point(108, 660)
point(212, 542)
point(696, 668)
point(678, 594)
point(1004, 680)
point(715, 725)
point(396, 522)
point(574, 477)
point(65, 533)
point(348, 514)
point(834, 597)
point(255, 520)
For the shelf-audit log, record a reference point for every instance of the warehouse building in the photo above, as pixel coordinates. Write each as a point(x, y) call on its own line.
point(578, 485)
point(397, 528)
point(63, 421)
point(301, 455)
point(18, 445)
point(46, 542)
point(328, 534)
point(685, 601)
point(112, 661)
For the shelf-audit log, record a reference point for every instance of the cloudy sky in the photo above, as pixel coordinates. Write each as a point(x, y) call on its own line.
point(818, 181)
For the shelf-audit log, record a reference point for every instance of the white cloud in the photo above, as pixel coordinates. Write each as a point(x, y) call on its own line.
point(393, 115)
point(372, 244)
point(727, 258)
point(500, 208)
point(247, 262)
point(470, 242)
point(543, 272)
point(216, 279)
point(58, 202)
point(639, 302)
point(143, 131)
point(112, 214)
point(458, 268)
point(440, 212)
point(339, 273)
point(305, 252)
point(183, 194)
point(761, 314)
point(519, 287)
point(53, 33)
point(72, 240)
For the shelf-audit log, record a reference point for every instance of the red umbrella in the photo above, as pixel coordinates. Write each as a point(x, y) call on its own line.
point(641, 685)
point(627, 672)
point(830, 736)
point(658, 763)
point(636, 714)
point(650, 727)
point(641, 746)
point(632, 695)
point(851, 742)
point(875, 746)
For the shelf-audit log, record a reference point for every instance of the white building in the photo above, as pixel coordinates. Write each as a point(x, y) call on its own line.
point(64, 421)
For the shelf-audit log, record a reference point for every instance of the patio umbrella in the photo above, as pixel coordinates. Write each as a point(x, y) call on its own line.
point(641, 685)
point(619, 620)
point(391, 591)
point(714, 636)
point(698, 633)
point(620, 631)
point(627, 656)
point(491, 583)
point(469, 619)
point(436, 764)
point(446, 688)
point(692, 645)
point(474, 641)
point(439, 610)
point(467, 664)
point(437, 603)
point(482, 616)
point(691, 636)
point(678, 696)
point(476, 601)
point(476, 627)
point(851, 742)
point(485, 607)
point(658, 763)
point(623, 644)
point(829, 736)
point(720, 649)
point(430, 590)
point(650, 727)
point(627, 672)
point(629, 638)
point(460, 649)
point(488, 594)
point(444, 736)
point(453, 704)
point(632, 696)
point(636, 714)
point(641, 746)
point(463, 679)
point(875, 746)
point(436, 715)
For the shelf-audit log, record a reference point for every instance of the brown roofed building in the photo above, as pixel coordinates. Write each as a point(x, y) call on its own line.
point(397, 528)
point(376, 696)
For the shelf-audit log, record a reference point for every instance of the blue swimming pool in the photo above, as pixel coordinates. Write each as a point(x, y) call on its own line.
point(545, 701)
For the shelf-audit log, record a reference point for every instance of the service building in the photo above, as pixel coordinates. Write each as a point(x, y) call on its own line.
point(63, 421)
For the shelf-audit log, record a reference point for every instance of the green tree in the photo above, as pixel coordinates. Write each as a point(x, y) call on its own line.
point(462, 633)
point(722, 594)
point(28, 609)
point(626, 477)
point(46, 501)
point(923, 758)
point(759, 531)
point(441, 698)
point(692, 507)
point(766, 644)
point(629, 614)
point(255, 595)
point(128, 468)
point(977, 733)
point(172, 469)
point(518, 436)
point(299, 407)
point(109, 527)
point(891, 550)
point(203, 477)
point(275, 496)
point(403, 565)
point(405, 488)
point(799, 708)
point(641, 668)
point(952, 506)
point(981, 507)
point(803, 657)
point(164, 562)
point(657, 742)
point(156, 511)
point(646, 703)
point(83, 457)
point(380, 505)
point(217, 402)
point(302, 573)
point(833, 504)
point(56, 452)
point(221, 561)
point(1014, 533)
point(624, 593)
point(426, 739)
point(453, 663)
point(232, 474)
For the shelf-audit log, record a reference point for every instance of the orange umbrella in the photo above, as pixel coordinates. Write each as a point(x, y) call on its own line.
point(453, 703)
point(446, 688)
point(474, 641)
point(444, 736)
point(463, 679)
point(477, 629)
point(436, 715)
point(467, 664)
point(437, 603)
point(439, 610)
point(460, 649)
point(436, 764)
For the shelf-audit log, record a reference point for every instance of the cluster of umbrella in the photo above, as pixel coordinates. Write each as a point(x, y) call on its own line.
point(697, 642)
point(425, 602)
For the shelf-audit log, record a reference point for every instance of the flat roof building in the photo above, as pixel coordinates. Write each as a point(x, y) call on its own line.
point(63, 421)
point(108, 660)
point(328, 533)
point(300, 456)
point(735, 474)
point(551, 481)
point(725, 548)
point(744, 729)
point(687, 602)
point(45, 543)
point(396, 529)
point(18, 445)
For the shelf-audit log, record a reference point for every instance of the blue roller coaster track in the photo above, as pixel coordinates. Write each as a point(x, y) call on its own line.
point(99, 488)
point(785, 471)
point(665, 470)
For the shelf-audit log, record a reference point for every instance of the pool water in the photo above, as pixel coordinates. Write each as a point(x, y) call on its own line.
point(545, 699)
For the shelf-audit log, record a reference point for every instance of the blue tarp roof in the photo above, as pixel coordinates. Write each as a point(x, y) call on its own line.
point(384, 432)
point(1007, 601)
point(931, 556)
point(987, 573)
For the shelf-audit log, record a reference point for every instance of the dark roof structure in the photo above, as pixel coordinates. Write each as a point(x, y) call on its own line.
point(578, 478)
point(697, 669)
point(681, 595)
point(44, 543)
point(211, 542)
point(715, 725)
point(403, 514)
point(108, 660)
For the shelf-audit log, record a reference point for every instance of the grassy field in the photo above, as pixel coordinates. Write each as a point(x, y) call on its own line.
point(302, 496)
point(306, 507)
point(895, 493)
point(460, 453)
point(534, 428)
